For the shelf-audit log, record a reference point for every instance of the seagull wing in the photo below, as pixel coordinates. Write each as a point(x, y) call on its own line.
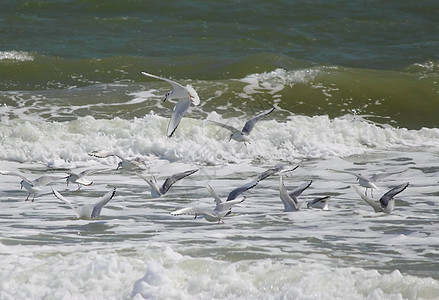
point(104, 200)
point(377, 177)
point(61, 197)
point(173, 179)
point(392, 193)
point(299, 190)
point(193, 95)
point(214, 194)
point(192, 211)
point(272, 171)
point(248, 127)
point(375, 205)
point(228, 127)
point(319, 202)
point(179, 110)
point(241, 189)
point(46, 179)
point(14, 174)
point(348, 172)
point(90, 172)
point(84, 181)
point(226, 206)
point(177, 89)
point(290, 204)
point(104, 154)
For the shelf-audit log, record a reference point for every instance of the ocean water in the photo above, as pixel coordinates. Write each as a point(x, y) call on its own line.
point(355, 87)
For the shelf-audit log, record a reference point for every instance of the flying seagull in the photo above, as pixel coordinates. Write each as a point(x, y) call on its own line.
point(126, 164)
point(80, 179)
point(387, 202)
point(35, 186)
point(156, 191)
point(278, 168)
point(320, 202)
point(212, 215)
point(185, 94)
point(290, 199)
point(367, 183)
point(243, 135)
point(88, 211)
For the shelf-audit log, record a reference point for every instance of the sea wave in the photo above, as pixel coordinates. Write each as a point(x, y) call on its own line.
point(199, 141)
point(15, 56)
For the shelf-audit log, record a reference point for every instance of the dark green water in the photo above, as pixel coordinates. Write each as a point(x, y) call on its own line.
point(373, 57)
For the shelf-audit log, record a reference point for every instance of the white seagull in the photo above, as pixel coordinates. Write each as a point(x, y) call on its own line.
point(367, 183)
point(320, 202)
point(290, 199)
point(386, 203)
point(212, 215)
point(80, 179)
point(278, 168)
point(156, 191)
point(185, 94)
point(35, 186)
point(126, 164)
point(88, 211)
point(243, 135)
point(241, 189)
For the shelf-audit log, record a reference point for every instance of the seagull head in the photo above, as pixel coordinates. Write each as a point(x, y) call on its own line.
point(168, 95)
point(21, 184)
point(68, 178)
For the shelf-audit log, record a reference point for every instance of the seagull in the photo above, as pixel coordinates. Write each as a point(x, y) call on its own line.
point(35, 186)
point(281, 168)
point(241, 189)
point(185, 94)
point(386, 203)
point(127, 164)
point(212, 215)
point(156, 191)
point(80, 179)
point(290, 200)
point(368, 183)
point(243, 135)
point(88, 211)
point(320, 202)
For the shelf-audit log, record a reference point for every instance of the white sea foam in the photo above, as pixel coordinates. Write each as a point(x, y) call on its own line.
point(60, 143)
point(15, 56)
point(275, 81)
point(157, 271)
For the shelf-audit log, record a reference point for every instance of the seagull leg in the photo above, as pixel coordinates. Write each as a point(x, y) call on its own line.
point(27, 198)
point(33, 198)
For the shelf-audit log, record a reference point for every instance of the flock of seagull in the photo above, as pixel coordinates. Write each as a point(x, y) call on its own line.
point(186, 96)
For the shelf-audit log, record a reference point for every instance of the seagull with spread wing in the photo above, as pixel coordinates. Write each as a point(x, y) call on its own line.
point(87, 211)
point(157, 191)
point(243, 135)
point(186, 95)
point(80, 178)
point(125, 163)
point(290, 199)
point(33, 186)
point(387, 201)
point(212, 215)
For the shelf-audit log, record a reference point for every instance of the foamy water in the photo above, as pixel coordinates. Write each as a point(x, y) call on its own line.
point(137, 249)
